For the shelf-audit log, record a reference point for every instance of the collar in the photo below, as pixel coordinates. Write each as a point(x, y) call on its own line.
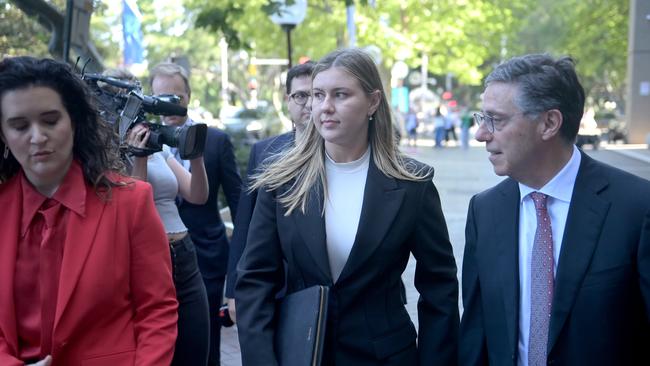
point(71, 194)
point(561, 186)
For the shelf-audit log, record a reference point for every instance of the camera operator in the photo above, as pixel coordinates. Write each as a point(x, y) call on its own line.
point(168, 179)
point(205, 226)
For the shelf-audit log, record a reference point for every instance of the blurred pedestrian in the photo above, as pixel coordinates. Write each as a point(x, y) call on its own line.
point(345, 209)
point(412, 127)
point(85, 275)
point(466, 122)
point(438, 128)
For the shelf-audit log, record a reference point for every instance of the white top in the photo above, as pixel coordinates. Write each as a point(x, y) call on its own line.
point(559, 191)
point(346, 183)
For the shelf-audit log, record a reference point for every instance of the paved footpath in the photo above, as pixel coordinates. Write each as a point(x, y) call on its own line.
point(459, 174)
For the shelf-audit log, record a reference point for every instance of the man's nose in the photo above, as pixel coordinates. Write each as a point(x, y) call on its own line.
point(482, 133)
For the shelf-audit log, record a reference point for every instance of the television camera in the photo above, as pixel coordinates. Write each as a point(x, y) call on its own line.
point(123, 104)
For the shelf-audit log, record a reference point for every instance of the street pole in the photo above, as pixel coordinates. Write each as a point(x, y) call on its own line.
point(288, 28)
point(223, 45)
point(67, 30)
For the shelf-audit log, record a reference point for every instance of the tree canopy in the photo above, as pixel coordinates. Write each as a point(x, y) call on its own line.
point(465, 38)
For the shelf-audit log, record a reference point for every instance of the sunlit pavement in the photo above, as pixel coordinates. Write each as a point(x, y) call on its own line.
point(459, 174)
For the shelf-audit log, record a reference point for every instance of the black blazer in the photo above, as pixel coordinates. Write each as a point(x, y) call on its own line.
point(367, 322)
point(203, 221)
point(259, 152)
point(602, 288)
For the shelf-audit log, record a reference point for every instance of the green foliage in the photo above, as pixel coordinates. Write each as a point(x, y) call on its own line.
point(19, 34)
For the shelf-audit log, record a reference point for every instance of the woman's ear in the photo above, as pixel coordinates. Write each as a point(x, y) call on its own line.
point(375, 98)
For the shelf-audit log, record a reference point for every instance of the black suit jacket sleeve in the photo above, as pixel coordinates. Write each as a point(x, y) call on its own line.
point(229, 175)
point(436, 281)
point(644, 263)
point(260, 277)
point(472, 346)
point(242, 223)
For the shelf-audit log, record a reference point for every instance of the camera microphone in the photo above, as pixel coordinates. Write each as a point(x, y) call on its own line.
point(162, 107)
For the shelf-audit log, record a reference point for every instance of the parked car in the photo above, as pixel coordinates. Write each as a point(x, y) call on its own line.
point(254, 123)
point(613, 125)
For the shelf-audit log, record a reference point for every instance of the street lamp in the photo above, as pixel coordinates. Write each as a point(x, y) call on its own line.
point(288, 16)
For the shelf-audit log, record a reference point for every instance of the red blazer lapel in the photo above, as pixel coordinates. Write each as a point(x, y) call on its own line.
point(10, 199)
point(81, 236)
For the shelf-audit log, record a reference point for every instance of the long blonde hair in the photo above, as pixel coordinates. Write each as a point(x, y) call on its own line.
point(303, 166)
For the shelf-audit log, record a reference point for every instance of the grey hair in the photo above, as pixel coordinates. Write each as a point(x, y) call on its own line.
point(545, 83)
point(170, 69)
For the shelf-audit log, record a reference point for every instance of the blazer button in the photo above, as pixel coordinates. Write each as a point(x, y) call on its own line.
point(551, 362)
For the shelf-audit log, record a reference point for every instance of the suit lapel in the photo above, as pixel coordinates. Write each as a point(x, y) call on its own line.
point(382, 199)
point(311, 227)
point(81, 235)
point(583, 227)
point(10, 202)
point(505, 219)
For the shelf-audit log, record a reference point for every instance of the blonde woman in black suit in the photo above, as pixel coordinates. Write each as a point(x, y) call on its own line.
point(345, 209)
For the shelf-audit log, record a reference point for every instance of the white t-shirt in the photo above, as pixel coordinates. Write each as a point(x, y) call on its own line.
point(346, 183)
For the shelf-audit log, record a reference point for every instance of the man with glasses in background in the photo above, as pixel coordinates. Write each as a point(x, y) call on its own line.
point(557, 256)
point(298, 99)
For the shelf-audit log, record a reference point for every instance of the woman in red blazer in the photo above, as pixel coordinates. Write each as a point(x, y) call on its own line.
point(85, 274)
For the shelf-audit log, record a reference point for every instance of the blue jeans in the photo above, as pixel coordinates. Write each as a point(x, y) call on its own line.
point(192, 343)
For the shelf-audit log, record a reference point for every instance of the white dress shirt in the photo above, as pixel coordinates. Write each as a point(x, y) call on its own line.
point(346, 184)
point(559, 191)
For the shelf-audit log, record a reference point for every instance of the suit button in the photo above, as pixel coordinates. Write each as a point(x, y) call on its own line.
point(551, 362)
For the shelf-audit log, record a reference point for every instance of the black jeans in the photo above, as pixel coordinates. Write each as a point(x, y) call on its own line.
point(214, 286)
point(193, 341)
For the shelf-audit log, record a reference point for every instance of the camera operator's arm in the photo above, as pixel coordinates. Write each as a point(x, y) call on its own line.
point(138, 137)
point(192, 187)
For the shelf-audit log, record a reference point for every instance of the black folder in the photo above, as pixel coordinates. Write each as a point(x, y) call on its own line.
point(300, 329)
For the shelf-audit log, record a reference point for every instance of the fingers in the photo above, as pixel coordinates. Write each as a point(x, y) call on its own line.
point(138, 136)
point(232, 310)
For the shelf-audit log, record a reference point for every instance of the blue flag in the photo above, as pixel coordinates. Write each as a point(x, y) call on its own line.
point(133, 51)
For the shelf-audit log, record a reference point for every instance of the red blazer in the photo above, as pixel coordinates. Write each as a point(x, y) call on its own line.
point(116, 303)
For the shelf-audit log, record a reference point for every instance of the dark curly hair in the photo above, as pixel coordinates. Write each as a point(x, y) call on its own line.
point(94, 140)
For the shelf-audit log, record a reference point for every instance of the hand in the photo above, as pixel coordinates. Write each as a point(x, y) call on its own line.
point(232, 310)
point(47, 361)
point(138, 136)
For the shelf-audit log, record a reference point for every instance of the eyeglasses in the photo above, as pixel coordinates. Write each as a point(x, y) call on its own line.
point(300, 97)
point(481, 118)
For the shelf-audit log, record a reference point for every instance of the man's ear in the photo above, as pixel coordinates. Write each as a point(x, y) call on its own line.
point(375, 98)
point(551, 121)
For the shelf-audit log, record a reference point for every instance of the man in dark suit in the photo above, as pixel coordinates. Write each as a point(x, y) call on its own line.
point(203, 221)
point(298, 95)
point(557, 256)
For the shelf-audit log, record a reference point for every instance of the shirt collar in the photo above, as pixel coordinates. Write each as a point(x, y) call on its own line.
point(71, 194)
point(561, 186)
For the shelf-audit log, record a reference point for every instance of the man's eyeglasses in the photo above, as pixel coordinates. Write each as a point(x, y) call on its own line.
point(481, 118)
point(300, 97)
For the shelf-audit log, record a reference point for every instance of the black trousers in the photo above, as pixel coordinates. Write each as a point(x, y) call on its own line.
point(214, 287)
point(192, 343)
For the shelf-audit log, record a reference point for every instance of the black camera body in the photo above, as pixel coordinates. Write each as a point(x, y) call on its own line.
point(123, 105)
